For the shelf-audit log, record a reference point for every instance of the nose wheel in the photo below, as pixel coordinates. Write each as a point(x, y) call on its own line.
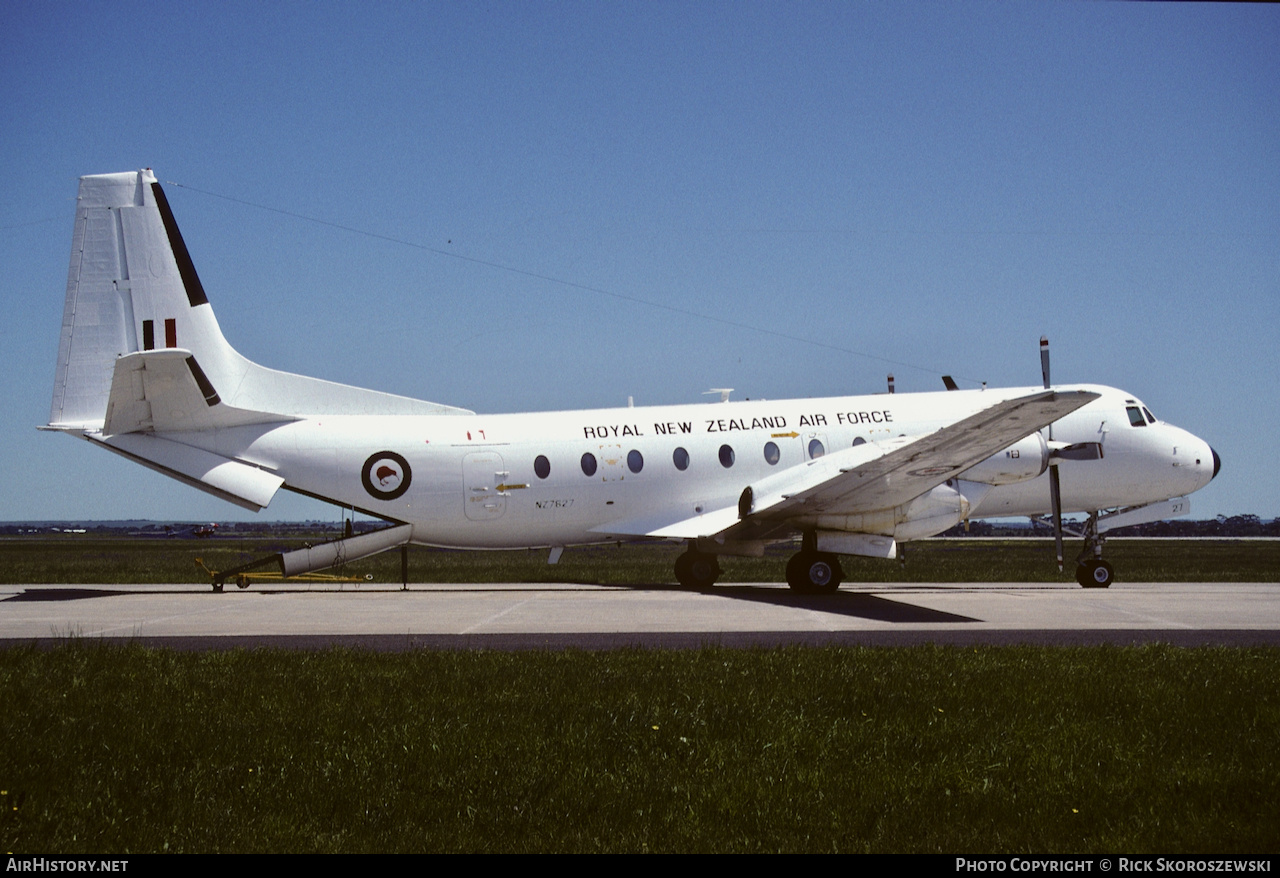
point(1095, 573)
point(1091, 570)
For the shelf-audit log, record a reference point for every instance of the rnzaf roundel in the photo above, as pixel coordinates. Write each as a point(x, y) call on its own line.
point(386, 475)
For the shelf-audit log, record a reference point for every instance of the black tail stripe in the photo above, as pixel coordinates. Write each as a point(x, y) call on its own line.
point(186, 268)
point(202, 381)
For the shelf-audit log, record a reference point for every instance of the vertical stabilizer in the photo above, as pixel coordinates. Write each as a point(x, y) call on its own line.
point(132, 287)
point(97, 319)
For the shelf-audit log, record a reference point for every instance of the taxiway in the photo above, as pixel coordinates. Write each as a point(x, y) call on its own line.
point(567, 615)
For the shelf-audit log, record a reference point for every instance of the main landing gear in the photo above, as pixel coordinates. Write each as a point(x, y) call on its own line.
point(696, 569)
point(1091, 570)
point(811, 572)
point(808, 572)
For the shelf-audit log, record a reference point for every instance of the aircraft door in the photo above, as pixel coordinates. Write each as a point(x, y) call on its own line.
point(484, 483)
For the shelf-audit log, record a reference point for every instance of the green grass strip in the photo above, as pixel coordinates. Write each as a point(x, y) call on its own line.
point(97, 560)
point(926, 749)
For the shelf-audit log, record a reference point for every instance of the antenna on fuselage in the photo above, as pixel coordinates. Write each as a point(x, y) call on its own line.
point(723, 391)
point(891, 382)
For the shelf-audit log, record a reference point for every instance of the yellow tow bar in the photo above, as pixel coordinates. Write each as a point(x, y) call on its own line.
point(245, 579)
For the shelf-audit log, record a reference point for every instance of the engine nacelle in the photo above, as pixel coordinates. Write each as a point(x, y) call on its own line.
point(930, 513)
point(1025, 459)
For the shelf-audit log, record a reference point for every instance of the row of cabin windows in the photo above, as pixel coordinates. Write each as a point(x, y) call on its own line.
point(680, 457)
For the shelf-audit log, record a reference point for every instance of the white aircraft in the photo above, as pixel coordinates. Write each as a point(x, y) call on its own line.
point(144, 371)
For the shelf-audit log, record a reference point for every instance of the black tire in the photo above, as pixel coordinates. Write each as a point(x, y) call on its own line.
point(1095, 574)
point(697, 570)
point(814, 573)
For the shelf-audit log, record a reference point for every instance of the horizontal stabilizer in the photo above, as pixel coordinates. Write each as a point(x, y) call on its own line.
point(166, 391)
point(231, 480)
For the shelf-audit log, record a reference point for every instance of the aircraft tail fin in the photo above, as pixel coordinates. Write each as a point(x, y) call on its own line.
point(132, 288)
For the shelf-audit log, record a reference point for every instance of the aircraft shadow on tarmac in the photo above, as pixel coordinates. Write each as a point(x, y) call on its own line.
point(71, 594)
point(842, 603)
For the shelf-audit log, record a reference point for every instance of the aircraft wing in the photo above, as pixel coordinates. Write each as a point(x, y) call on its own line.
point(875, 476)
point(905, 473)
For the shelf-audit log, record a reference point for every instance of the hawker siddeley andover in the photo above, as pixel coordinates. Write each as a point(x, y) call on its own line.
point(144, 371)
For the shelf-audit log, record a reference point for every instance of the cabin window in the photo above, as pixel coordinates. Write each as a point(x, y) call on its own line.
point(541, 466)
point(726, 456)
point(635, 461)
point(816, 449)
point(859, 441)
point(1135, 416)
point(680, 458)
point(589, 464)
point(771, 453)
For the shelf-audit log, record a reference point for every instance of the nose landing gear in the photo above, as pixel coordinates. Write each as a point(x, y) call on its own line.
point(1094, 573)
point(1091, 570)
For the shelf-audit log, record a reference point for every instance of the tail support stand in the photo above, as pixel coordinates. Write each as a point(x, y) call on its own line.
point(220, 577)
point(311, 558)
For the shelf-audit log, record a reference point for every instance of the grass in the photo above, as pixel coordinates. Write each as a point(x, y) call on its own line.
point(84, 559)
point(1022, 749)
point(120, 749)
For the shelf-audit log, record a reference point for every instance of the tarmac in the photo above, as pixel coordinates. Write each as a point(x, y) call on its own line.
point(579, 616)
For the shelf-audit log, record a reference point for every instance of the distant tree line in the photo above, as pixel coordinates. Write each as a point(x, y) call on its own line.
point(187, 528)
point(1222, 526)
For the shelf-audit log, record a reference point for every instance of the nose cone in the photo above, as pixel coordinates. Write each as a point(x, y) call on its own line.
point(1192, 458)
point(1203, 455)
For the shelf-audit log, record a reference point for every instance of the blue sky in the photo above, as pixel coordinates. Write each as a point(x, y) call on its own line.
point(572, 203)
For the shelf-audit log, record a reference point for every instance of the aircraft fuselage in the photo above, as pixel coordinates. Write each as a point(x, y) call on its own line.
point(561, 478)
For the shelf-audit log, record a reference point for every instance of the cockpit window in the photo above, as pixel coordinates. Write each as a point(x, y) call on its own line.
point(1135, 416)
point(1151, 419)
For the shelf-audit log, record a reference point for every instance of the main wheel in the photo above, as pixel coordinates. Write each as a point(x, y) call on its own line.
point(814, 573)
point(697, 569)
point(1095, 574)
